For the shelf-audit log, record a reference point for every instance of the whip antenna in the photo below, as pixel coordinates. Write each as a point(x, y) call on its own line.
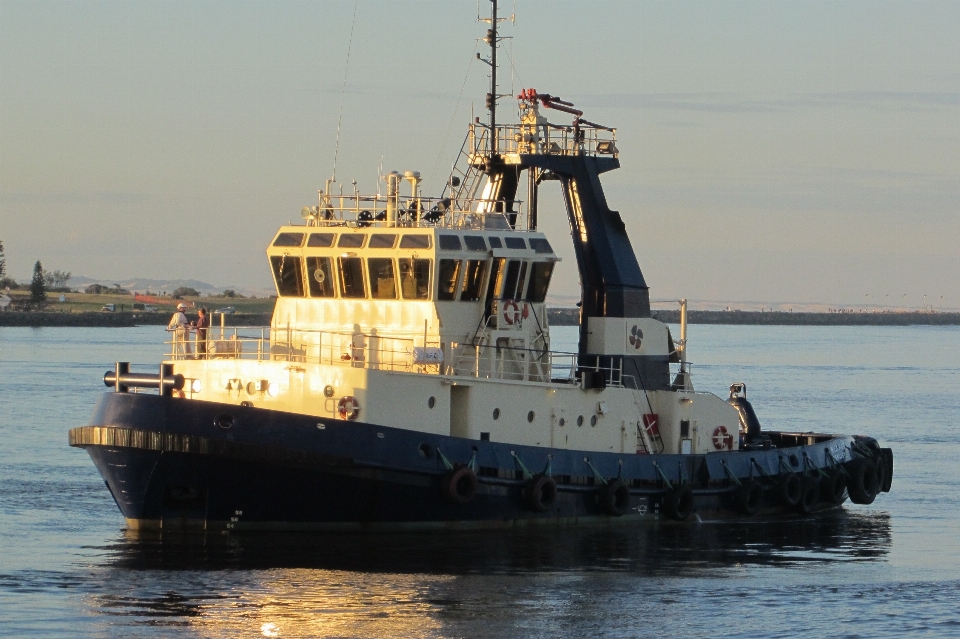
point(343, 88)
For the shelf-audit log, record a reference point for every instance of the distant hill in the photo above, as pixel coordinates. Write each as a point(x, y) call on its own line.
point(143, 284)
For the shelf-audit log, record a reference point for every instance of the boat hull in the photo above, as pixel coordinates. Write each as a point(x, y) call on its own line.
point(185, 464)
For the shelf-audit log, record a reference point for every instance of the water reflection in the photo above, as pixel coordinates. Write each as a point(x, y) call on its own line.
point(666, 549)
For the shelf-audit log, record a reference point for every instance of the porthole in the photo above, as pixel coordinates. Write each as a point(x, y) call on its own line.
point(328, 391)
point(580, 421)
point(496, 414)
point(562, 422)
point(431, 402)
point(531, 416)
point(223, 421)
point(593, 420)
point(426, 450)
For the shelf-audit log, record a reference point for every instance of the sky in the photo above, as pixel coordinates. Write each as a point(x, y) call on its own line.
point(774, 152)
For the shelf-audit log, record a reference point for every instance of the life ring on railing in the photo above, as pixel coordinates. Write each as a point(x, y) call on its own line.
point(348, 408)
point(511, 317)
point(722, 440)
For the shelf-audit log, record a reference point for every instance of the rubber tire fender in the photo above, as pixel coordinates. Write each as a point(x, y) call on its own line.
point(809, 495)
point(886, 455)
point(833, 487)
point(747, 498)
point(677, 503)
point(540, 493)
point(789, 489)
point(459, 485)
point(864, 483)
point(615, 498)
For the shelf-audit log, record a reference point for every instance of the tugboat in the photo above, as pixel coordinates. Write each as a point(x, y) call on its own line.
point(407, 380)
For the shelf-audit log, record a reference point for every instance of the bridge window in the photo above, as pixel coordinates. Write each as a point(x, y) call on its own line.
point(415, 242)
point(515, 242)
point(289, 239)
point(382, 241)
point(540, 273)
point(495, 242)
point(415, 278)
point(496, 277)
point(450, 243)
point(288, 275)
point(473, 280)
point(351, 240)
point(475, 243)
point(514, 280)
point(540, 245)
point(351, 276)
point(321, 240)
point(383, 284)
point(320, 275)
point(448, 277)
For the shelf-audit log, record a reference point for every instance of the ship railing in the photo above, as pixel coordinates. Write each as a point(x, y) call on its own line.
point(352, 349)
point(546, 139)
point(381, 211)
point(531, 365)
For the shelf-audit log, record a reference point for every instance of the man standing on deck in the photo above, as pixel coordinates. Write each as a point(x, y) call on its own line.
point(180, 327)
point(201, 326)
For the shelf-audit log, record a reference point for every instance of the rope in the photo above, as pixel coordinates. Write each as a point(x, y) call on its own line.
point(446, 136)
point(343, 89)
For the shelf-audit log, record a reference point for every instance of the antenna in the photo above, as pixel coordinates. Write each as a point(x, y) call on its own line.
point(493, 40)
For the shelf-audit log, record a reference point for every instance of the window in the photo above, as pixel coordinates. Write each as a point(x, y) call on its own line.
point(540, 274)
point(383, 285)
point(414, 278)
point(288, 274)
point(475, 243)
point(447, 279)
point(382, 241)
point(473, 280)
point(351, 275)
point(496, 277)
point(321, 240)
point(495, 242)
point(351, 240)
point(514, 280)
point(515, 242)
point(540, 245)
point(289, 239)
point(450, 243)
point(415, 242)
point(320, 275)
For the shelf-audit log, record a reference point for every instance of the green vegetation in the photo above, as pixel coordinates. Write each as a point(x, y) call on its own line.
point(38, 290)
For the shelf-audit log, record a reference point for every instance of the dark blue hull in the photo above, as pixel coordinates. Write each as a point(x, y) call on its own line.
point(174, 463)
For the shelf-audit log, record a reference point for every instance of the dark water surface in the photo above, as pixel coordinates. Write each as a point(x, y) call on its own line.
point(892, 569)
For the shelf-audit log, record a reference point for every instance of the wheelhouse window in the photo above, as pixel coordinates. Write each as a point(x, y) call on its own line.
point(320, 240)
point(289, 239)
point(514, 280)
point(475, 243)
point(495, 242)
point(383, 284)
point(540, 245)
point(382, 241)
point(448, 276)
point(540, 273)
point(450, 243)
point(288, 275)
point(351, 240)
point(415, 242)
point(496, 277)
point(320, 276)
point(351, 277)
point(473, 280)
point(515, 242)
point(414, 278)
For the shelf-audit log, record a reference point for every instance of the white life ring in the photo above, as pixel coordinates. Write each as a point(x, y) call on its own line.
point(348, 408)
point(722, 440)
point(511, 317)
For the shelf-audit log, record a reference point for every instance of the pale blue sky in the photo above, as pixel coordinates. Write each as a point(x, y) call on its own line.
point(771, 151)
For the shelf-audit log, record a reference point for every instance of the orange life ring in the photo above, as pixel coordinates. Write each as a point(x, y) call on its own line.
point(348, 408)
point(511, 317)
point(722, 440)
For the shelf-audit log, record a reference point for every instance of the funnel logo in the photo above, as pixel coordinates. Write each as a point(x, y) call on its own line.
point(636, 336)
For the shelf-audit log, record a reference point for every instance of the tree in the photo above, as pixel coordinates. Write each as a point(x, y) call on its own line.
point(185, 291)
point(38, 292)
point(3, 263)
point(56, 279)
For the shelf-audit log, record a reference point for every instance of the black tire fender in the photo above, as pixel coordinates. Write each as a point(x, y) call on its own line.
point(864, 482)
point(677, 503)
point(615, 498)
point(747, 498)
point(833, 487)
point(788, 489)
point(809, 495)
point(540, 493)
point(459, 485)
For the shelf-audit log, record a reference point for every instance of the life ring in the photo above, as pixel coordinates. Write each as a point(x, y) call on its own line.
point(615, 498)
point(809, 495)
point(722, 440)
point(677, 503)
point(511, 317)
point(540, 493)
point(459, 485)
point(747, 498)
point(348, 408)
point(864, 483)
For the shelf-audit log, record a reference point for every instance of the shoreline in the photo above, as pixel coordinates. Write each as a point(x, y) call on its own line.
point(556, 317)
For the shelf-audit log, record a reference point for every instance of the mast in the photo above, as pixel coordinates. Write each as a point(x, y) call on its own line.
point(492, 40)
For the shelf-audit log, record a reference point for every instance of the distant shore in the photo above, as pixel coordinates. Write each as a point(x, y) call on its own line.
point(557, 317)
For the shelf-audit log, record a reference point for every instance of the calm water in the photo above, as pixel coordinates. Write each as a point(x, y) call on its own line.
point(892, 569)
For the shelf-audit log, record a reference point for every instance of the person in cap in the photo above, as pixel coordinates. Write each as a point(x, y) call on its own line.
point(180, 327)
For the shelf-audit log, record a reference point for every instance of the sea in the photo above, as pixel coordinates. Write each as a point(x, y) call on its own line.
point(68, 568)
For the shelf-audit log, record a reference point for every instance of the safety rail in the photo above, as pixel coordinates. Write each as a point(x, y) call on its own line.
point(354, 349)
point(529, 364)
point(384, 211)
point(549, 139)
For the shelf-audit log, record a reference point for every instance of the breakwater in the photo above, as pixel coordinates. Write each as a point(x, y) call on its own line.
point(557, 317)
